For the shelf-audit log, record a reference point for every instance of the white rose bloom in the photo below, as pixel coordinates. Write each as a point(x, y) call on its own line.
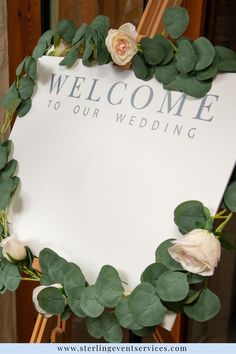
point(121, 43)
point(12, 247)
point(198, 252)
point(36, 291)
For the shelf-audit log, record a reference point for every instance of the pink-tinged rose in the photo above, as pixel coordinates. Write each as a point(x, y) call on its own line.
point(12, 249)
point(35, 294)
point(121, 43)
point(198, 252)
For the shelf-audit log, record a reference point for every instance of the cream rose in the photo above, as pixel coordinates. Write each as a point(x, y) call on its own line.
point(198, 252)
point(121, 43)
point(36, 291)
point(13, 249)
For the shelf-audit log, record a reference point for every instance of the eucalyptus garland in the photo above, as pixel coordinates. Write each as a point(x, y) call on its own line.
point(177, 280)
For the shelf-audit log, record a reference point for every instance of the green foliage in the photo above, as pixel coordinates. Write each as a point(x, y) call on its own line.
point(9, 276)
point(141, 69)
point(94, 327)
point(166, 73)
point(145, 305)
point(124, 315)
point(172, 286)
point(176, 20)
point(163, 257)
point(226, 59)
point(195, 278)
point(12, 99)
point(111, 329)
point(74, 300)
point(51, 300)
point(186, 57)
point(89, 304)
point(24, 107)
point(230, 197)
point(108, 286)
point(204, 308)
point(190, 215)
point(153, 272)
point(66, 30)
point(204, 51)
point(152, 50)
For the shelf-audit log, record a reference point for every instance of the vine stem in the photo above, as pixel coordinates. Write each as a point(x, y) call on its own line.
point(222, 225)
point(29, 279)
point(220, 215)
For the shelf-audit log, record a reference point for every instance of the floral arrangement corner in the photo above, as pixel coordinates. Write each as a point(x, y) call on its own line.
point(178, 279)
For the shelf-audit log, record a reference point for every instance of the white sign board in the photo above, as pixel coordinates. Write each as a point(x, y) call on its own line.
point(105, 158)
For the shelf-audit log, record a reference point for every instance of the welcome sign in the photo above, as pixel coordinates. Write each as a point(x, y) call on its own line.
point(106, 158)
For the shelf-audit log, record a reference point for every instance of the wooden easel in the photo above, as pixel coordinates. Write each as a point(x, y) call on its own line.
point(53, 330)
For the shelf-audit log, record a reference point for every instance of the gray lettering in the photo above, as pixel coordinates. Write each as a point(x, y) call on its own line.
point(150, 97)
point(170, 107)
point(191, 133)
point(143, 123)
point(111, 91)
point(177, 129)
point(95, 113)
point(204, 105)
point(91, 92)
point(76, 109)
point(120, 117)
point(155, 125)
point(132, 120)
point(76, 87)
point(58, 84)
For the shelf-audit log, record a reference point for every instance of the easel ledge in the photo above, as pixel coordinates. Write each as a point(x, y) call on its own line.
point(53, 329)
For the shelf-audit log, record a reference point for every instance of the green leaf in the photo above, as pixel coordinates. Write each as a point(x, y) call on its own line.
point(209, 72)
point(146, 306)
point(185, 57)
point(230, 197)
point(71, 57)
point(190, 215)
point(172, 286)
point(152, 50)
point(166, 73)
point(143, 332)
point(80, 33)
point(141, 69)
point(1, 232)
point(8, 145)
point(10, 168)
point(225, 242)
point(225, 53)
point(47, 37)
point(152, 273)
point(89, 304)
point(51, 300)
point(5, 198)
point(53, 267)
point(15, 181)
point(26, 88)
point(11, 276)
point(7, 186)
point(227, 65)
point(111, 330)
point(108, 286)
point(88, 51)
point(74, 300)
point(20, 67)
point(73, 278)
point(205, 307)
point(192, 296)
point(176, 21)
point(39, 50)
point(124, 315)
point(103, 56)
point(66, 314)
point(162, 256)
point(94, 327)
point(101, 23)
point(3, 157)
point(195, 278)
point(167, 47)
point(12, 99)
point(30, 67)
point(204, 51)
point(24, 107)
point(66, 30)
point(192, 86)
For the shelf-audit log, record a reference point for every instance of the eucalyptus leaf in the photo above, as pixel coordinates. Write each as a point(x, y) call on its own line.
point(47, 37)
point(39, 50)
point(51, 300)
point(24, 107)
point(172, 286)
point(108, 286)
point(10, 168)
point(66, 30)
point(185, 57)
point(111, 329)
point(195, 278)
point(3, 157)
point(53, 267)
point(12, 99)
point(80, 33)
point(166, 73)
point(176, 21)
point(190, 215)
point(152, 50)
point(162, 256)
point(20, 67)
point(230, 197)
point(205, 53)
point(124, 315)
point(15, 181)
point(65, 314)
point(10, 276)
point(30, 67)
point(192, 86)
point(145, 331)
point(101, 22)
point(94, 327)
point(71, 57)
point(8, 145)
point(209, 72)
point(153, 272)
point(73, 278)
point(89, 304)
point(192, 296)
point(227, 65)
point(146, 306)
point(74, 300)
point(167, 47)
point(225, 53)
point(141, 69)
point(26, 88)
point(205, 307)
